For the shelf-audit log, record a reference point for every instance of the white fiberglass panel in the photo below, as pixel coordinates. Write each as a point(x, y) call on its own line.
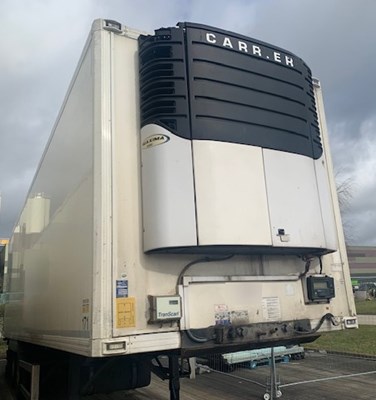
point(326, 203)
point(52, 247)
point(232, 207)
point(167, 189)
point(293, 200)
point(209, 303)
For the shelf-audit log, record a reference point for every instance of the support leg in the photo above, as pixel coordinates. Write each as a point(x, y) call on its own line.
point(192, 367)
point(273, 378)
point(174, 383)
point(273, 392)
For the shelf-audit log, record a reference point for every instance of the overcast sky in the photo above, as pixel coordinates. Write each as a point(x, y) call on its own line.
point(41, 42)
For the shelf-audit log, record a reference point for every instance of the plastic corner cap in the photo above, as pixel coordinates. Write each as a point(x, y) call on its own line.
point(107, 24)
point(97, 24)
point(316, 82)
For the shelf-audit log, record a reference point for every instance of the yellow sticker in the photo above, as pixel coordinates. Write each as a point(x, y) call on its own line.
point(125, 312)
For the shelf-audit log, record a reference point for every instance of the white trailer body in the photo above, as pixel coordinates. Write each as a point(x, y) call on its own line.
point(87, 274)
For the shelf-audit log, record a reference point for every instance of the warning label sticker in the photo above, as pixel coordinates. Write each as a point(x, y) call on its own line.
point(271, 308)
point(238, 317)
point(126, 312)
point(221, 314)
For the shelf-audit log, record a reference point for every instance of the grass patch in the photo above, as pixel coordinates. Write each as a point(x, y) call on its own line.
point(367, 307)
point(358, 341)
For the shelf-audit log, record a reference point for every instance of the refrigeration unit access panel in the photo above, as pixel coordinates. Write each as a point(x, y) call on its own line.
point(231, 147)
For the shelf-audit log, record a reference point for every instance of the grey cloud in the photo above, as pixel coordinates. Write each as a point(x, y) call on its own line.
point(334, 37)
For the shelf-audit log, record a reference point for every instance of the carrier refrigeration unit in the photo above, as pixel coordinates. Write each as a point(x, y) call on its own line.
point(185, 204)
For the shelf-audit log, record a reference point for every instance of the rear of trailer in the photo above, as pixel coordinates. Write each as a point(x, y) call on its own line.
point(185, 204)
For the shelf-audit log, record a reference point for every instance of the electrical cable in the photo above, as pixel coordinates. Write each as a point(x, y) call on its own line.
point(308, 265)
point(327, 316)
point(199, 261)
point(306, 268)
point(197, 339)
point(320, 261)
point(189, 332)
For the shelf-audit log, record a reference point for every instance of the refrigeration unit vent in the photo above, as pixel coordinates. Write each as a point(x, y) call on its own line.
point(241, 90)
point(163, 81)
point(231, 146)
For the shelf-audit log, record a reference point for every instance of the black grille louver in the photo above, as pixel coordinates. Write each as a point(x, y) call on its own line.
point(204, 90)
point(163, 81)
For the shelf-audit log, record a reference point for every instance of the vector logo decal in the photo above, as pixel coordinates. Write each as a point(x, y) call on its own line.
point(154, 140)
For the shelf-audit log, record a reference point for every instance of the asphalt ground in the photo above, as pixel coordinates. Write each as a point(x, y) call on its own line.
point(319, 376)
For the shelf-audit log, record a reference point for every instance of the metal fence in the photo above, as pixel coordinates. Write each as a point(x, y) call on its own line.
point(291, 374)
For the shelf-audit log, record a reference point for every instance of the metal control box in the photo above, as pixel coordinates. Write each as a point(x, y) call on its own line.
point(320, 288)
point(164, 308)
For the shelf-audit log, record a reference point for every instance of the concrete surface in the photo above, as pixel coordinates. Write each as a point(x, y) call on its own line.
point(349, 378)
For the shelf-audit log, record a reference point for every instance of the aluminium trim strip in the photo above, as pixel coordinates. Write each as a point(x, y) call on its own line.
point(238, 278)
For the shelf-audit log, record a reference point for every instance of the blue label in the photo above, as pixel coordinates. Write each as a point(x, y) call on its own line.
point(121, 288)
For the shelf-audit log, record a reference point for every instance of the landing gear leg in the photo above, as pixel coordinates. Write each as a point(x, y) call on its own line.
point(174, 383)
point(272, 392)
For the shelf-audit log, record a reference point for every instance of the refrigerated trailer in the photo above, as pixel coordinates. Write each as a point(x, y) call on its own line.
point(185, 204)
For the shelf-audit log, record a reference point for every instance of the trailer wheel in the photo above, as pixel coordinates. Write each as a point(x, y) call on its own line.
point(11, 368)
